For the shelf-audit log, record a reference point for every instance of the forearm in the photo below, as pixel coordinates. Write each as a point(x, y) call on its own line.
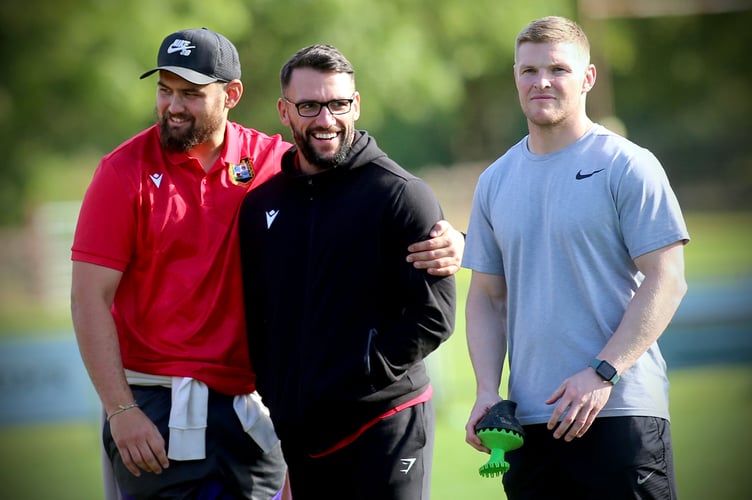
point(100, 352)
point(486, 330)
point(424, 324)
point(140, 444)
point(647, 316)
point(92, 292)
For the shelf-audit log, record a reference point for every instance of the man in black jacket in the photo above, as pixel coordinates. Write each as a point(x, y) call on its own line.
point(339, 322)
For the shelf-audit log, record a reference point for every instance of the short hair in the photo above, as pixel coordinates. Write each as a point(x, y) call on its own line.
point(554, 29)
point(321, 57)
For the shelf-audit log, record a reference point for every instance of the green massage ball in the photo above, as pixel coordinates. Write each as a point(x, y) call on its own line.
point(500, 432)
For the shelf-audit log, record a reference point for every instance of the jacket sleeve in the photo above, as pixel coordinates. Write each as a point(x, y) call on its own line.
point(427, 303)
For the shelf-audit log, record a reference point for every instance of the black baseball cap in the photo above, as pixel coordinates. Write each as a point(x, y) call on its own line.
point(200, 56)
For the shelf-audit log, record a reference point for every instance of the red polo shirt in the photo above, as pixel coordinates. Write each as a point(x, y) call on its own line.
point(171, 229)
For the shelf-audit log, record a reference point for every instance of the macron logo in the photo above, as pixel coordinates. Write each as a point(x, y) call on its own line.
point(156, 179)
point(182, 46)
point(270, 216)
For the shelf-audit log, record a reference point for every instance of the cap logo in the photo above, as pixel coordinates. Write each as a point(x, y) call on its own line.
point(182, 46)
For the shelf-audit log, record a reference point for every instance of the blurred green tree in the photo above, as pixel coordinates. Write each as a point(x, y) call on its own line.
point(436, 80)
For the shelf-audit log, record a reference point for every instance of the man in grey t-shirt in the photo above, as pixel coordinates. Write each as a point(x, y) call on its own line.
point(576, 246)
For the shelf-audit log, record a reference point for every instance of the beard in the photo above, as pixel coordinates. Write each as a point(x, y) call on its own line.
point(305, 146)
point(181, 142)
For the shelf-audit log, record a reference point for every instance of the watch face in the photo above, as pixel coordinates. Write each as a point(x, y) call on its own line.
point(606, 371)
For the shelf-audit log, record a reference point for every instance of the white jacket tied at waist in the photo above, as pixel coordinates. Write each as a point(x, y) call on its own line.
point(190, 399)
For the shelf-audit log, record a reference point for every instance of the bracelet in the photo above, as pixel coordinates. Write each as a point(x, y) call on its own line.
point(121, 409)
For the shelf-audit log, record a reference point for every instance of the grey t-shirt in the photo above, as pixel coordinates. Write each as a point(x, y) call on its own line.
point(564, 229)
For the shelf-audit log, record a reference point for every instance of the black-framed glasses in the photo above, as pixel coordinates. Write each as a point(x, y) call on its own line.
point(310, 109)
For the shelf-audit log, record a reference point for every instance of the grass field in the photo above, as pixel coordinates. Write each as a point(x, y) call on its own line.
point(711, 406)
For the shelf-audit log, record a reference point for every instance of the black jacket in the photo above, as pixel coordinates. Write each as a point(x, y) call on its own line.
point(338, 322)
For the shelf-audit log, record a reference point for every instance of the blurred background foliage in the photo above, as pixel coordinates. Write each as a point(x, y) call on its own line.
point(437, 88)
point(435, 78)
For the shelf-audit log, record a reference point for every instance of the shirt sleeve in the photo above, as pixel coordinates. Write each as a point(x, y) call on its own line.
point(649, 211)
point(105, 231)
point(428, 312)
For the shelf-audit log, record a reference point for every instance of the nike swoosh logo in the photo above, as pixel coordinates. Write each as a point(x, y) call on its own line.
point(179, 45)
point(581, 176)
point(641, 480)
point(270, 216)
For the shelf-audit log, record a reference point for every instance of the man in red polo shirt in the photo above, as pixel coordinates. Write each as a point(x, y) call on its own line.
point(156, 291)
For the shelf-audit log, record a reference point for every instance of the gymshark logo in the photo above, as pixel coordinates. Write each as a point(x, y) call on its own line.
point(408, 463)
point(156, 179)
point(270, 216)
point(641, 479)
point(182, 46)
point(581, 176)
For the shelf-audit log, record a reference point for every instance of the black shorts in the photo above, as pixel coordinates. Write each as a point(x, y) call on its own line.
point(389, 461)
point(618, 458)
point(234, 467)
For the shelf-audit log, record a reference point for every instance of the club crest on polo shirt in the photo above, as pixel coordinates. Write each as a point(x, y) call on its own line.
point(241, 173)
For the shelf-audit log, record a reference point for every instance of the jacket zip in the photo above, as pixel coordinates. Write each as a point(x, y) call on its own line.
point(371, 335)
point(302, 334)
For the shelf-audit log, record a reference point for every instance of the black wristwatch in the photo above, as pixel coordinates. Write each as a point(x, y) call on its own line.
point(605, 370)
